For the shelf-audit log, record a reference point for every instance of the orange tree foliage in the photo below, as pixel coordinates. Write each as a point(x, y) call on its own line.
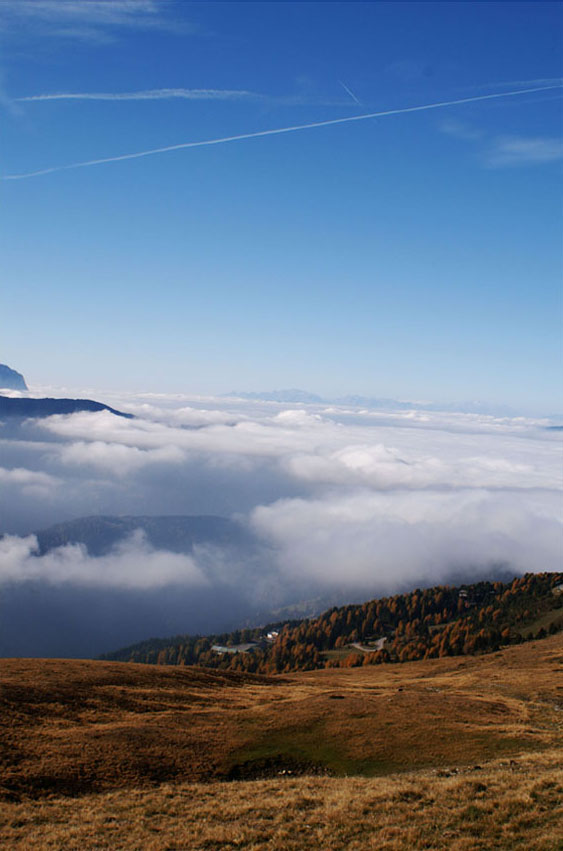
point(426, 623)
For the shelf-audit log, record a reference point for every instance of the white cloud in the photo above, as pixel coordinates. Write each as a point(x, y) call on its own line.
point(267, 437)
point(19, 483)
point(509, 150)
point(383, 450)
point(392, 540)
point(26, 478)
point(149, 94)
point(461, 130)
point(110, 11)
point(297, 418)
point(117, 458)
point(87, 20)
point(522, 150)
point(336, 495)
point(185, 416)
point(386, 467)
point(133, 564)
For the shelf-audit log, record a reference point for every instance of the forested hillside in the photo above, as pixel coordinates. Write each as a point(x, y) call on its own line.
point(424, 624)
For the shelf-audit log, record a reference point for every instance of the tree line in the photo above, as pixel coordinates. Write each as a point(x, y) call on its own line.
point(423, 624)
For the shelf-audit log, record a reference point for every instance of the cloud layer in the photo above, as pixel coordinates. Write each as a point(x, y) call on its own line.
point(334, 496)
point(133, 563)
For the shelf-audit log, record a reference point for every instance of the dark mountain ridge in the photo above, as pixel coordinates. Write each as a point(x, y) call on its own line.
point(10, 379)
point(174, 533)
point(46, 407)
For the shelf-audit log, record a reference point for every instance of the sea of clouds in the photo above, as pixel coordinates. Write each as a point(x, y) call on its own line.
point(335, 498)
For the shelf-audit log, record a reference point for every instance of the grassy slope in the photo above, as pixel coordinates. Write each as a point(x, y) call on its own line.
point(509, 806)
point(133, 740)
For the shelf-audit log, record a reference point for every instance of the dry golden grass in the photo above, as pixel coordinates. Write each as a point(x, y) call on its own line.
point(505, 805)
point(455, 753)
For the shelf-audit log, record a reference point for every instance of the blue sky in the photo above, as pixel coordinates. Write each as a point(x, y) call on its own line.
point(415, 255)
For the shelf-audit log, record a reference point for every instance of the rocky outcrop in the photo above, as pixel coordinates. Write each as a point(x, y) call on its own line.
point(10, 379)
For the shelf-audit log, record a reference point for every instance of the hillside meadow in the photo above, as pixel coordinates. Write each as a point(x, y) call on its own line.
point(445, 753)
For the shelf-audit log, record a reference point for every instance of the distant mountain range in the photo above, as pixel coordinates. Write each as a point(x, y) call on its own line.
point(10, 379)
point(296, 396)
point(290, 396)
point(47, 407)
point(176, 533)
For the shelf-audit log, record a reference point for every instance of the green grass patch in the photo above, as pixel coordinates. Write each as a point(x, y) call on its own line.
point(306, 750)
point(310, 750)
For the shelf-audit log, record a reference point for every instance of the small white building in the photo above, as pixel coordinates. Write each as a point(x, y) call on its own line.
point(236, 648)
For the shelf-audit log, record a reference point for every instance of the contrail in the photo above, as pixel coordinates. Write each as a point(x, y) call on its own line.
point(149, 94)
point(542, 81)
point(277, 131)
point(350, 92)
